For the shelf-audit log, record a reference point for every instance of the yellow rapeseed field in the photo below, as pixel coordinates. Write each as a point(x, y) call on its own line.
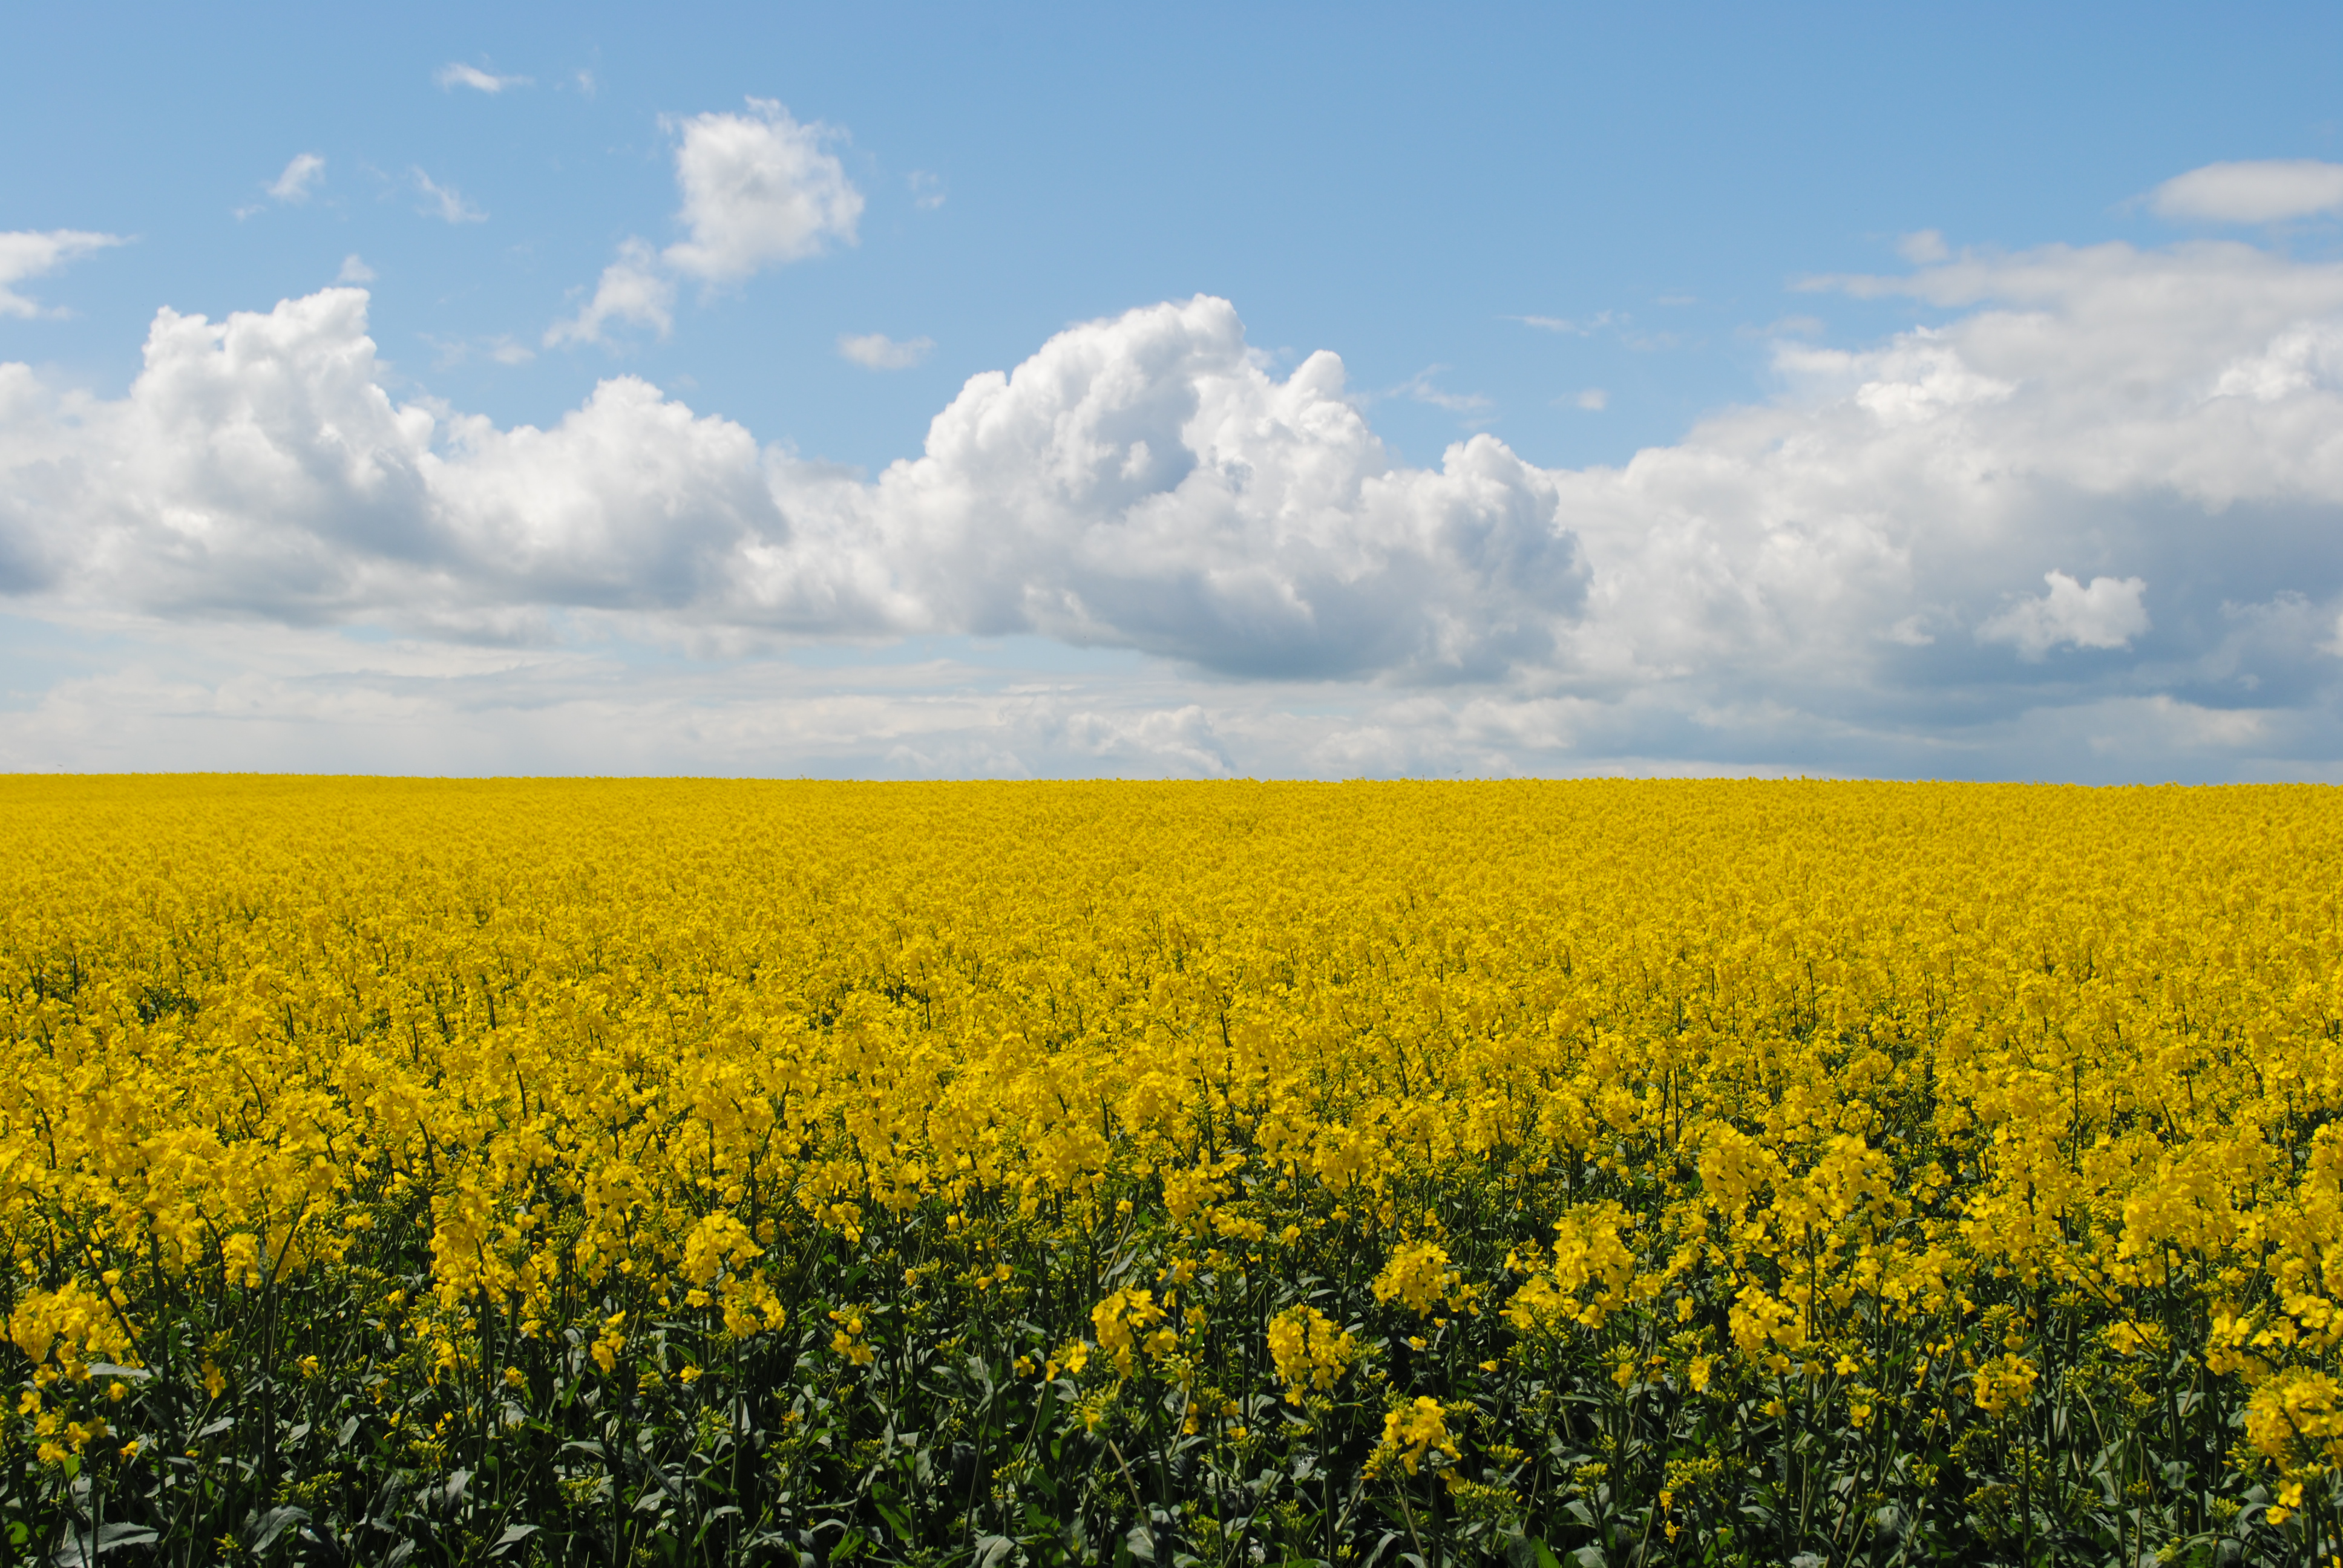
point(402, 1172)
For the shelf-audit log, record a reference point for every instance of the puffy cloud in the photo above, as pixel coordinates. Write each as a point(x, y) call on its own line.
point(24, 255)
point(632, 288)
point(2107, 614)
point(456, 75)
point(353, 270)
point(1140, 482)
point(758, 188)
point(1833, 581)
point(1145, 482)
point(2265, 191)
point(300, 177)
point(877, 351)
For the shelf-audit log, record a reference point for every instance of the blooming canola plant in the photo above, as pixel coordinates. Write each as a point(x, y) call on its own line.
point(603, 1170)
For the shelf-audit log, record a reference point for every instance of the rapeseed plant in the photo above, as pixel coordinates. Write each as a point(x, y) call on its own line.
point(603, 1172)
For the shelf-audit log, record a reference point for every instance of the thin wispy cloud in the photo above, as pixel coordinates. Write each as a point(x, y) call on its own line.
point(633, 291)
point(455, 74)
point(1586, 329)
point(1923, 247)
point(301, 176)
point(1420, 388)
point(446, 203)
point(877, 351)
point(33, 254)
point(448, 353)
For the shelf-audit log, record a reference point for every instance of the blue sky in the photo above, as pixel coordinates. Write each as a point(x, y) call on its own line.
point(1560, 237)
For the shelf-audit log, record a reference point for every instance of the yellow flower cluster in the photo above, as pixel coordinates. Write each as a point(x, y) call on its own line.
point(1129, 1323)
point(1418, 1276)
point(1309, 1351)
point(1413, 1433)
point(1807, 1071)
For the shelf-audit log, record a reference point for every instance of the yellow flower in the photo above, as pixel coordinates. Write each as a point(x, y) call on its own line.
point(1307, 1351)
point(1416, 1275)
point(1417, 1432)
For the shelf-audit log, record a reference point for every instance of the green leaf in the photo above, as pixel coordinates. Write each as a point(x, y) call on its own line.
point(513, 1535)
point(273, 1524)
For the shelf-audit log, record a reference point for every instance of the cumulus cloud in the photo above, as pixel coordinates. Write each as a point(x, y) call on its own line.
point(1834, 580)
point(1141, 482)
point(633, 288)
point(300, 177)
point(2266, 191)
point(758, 188)
point(33, 254)
point(877, 351)
point(2108, 613)
point(1145, 482)
point(353, 270)
point(458, 75)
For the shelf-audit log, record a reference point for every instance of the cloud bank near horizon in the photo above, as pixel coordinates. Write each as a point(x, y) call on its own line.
point(2086, 527)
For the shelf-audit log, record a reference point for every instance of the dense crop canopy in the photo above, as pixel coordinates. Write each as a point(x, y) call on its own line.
point(418, 1172)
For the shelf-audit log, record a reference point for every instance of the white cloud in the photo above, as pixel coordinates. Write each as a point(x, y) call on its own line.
point(447, 353)
point(1419, 389)
point(1140, 482)
point(2268, 191)
point(1594, 399)
point(758, 188)
point(458, 75)
point(1587, 328)
point(300, 177)
point(2305, 358)
point(877, 351)
point(353, 270)
point(632, 288)
point(927, 190)
point(33, 254)
point(447, 203)
point(1820, 583)
point(1144, 482)
point(2108, 613)
point(1922, 247)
